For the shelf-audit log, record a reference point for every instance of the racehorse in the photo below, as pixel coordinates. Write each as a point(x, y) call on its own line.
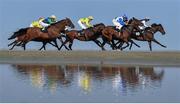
point(24, 35)
point(89, 34)
point(109, 34)
point(148, 35)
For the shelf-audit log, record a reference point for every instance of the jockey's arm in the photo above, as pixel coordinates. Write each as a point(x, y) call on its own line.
point(88, 24)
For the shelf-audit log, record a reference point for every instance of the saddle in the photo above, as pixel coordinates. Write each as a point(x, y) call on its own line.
point(44, 30)
point(81, 32)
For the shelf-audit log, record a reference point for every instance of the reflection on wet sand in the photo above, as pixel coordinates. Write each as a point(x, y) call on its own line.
point(122, 78)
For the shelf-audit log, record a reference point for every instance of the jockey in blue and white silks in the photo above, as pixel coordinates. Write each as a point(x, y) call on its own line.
point(119, 22)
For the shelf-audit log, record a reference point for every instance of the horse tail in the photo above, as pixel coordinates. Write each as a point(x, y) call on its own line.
point(19, 33)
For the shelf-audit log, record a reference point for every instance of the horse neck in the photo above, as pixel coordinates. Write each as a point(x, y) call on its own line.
point(154, 29)
point(60, 26)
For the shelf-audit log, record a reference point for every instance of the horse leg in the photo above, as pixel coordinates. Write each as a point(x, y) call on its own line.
point(64, 44)
point(19, 44)
point(70, 45)
point(150, 47)
point(125, 46)
point(132, 42)
point(98, 42)
point(24, 46)
point(154, 40)
point(120, 45)
point(113, 45)
point(60, 38)
point(102, 45)
point(12, 43)
point(130, 46)
point(44, 43)
point(56, 45)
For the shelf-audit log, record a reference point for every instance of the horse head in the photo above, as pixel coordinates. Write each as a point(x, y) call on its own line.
point(99, 27)
point(69, 22)
point(159, 28)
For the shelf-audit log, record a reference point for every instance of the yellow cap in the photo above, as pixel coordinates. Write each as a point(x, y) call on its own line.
point(91, 17)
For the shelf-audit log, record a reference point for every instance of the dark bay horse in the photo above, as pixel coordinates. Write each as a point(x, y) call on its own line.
point(109, 34)
point(89, 34)
point(23, 36)
point(148, 35)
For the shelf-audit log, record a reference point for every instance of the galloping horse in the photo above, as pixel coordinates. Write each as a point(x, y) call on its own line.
point(148, 35)
point(23, 36)
point(89, 34)
point(109, 34)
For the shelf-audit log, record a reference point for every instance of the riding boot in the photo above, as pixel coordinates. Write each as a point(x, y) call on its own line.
point(44, 29)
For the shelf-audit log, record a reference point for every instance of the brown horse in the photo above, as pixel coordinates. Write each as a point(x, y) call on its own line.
point(109, 34)
point(89, 34)
point(23, 36)
point(148, 35)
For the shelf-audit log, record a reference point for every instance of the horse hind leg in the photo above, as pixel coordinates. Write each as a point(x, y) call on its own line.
point(150, 45)
point(12, 43)
point(15, 43)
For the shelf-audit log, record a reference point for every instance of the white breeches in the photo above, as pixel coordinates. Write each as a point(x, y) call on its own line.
point(143, 27)
point(43, 24)
point(118, 25)
point(31, 25)
point(83, 26)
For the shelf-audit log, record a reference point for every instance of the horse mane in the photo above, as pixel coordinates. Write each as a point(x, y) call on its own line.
point(56, 23)
point(154, 24)
point(98, 24)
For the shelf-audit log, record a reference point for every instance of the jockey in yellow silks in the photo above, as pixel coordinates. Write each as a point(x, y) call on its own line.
point(44, 22)
point(37, 23)
point(84, 23)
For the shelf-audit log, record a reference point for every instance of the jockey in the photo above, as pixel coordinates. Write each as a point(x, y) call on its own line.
point(119, 22)
point(37, 23)
point(144, 23)
point(48, 21)
point(84, 23)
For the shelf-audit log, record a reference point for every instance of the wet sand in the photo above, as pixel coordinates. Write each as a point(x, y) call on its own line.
point(155, 58)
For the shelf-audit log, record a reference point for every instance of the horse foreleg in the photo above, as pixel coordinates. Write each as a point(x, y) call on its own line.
point(43, 46)
point(70, 45)
point(154, 40)
point(24, 46)
point(127, 44)
point(64, 44)
point(130, 46)
point(56, 45)
point(150, 47)
point(98, 42)
point(132, 42)
point(113, 45)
